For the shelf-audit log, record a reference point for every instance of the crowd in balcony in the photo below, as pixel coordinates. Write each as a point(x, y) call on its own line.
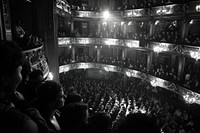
point(190, 78)
point(118, 100)
point(124, 5)
point(115, 100)
point(26, 40)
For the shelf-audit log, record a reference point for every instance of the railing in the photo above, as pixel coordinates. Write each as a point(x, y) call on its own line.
point(189, 96)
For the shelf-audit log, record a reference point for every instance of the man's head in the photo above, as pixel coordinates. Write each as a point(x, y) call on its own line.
point(11, 60)
point(139, 123)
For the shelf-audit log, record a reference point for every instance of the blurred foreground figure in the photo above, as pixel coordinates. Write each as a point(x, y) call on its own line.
point(11, 118)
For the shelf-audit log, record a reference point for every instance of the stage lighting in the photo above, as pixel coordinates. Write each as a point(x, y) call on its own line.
point(106, 14)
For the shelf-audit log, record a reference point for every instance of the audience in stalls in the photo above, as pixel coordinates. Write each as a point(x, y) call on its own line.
point(137, 96)
point(162, 70)
point(13, 118)
point(74, 118)
point(50, 98)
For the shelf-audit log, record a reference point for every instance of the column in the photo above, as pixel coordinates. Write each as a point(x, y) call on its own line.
point(173, 60)
point(98, 54)
point(151, 31)
point(72, 26)
point(73, 54)
point(181, 67)
point(184, 29)
point(125, 29)
point(99, 27)
point(124, 53)
point(149, 59)
point(48, 27)
point(5, 21)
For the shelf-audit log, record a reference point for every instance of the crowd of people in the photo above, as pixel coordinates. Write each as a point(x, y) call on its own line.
point(190, 78)
point(123, 5)
point(171, 113)
point(31, 104)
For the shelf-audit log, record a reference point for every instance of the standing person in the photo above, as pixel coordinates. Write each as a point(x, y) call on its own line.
point(11, 118)
point(50, 98)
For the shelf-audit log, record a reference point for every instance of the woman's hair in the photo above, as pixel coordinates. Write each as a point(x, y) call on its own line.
point(11, 57)
point(48, 91)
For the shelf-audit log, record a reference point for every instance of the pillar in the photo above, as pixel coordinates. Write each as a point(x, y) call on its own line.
point(184, 29)
point(151, 31)
point(5, 21)
point(181, 66)
point(125, 29)
point(72, 26)
point(48, 28)
point(98, 54)
point(149, 59)
point(173, 60)
point(124, 53)
point(73, 53)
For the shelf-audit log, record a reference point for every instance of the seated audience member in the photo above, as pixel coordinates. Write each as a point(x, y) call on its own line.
point(11, 118)
point(26, 70)
point(73, 118)
point(50, 98)
point(138, 123)
point(100, 122)
point(35, 79)
point(73, 97)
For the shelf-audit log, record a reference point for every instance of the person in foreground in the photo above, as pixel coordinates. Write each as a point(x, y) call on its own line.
point(11, 118)
point(50, 98)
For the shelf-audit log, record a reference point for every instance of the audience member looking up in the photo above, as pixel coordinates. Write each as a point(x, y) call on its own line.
point(11, 118)
point(50, 98)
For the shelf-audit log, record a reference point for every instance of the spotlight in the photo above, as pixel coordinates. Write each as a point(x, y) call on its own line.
point(106, 14)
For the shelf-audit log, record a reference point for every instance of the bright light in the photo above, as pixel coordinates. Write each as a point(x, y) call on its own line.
point(129, 23)
point(122, 23)
point(195, 55)
point(50, 76)
point(191, 21)
point(189, 99)
point(106, 69)
point(128, 74)
point(104, 23)
point(106, 14)
point(157, 21)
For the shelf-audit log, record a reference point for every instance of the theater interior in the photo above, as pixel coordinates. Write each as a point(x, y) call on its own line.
point(121, 56)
